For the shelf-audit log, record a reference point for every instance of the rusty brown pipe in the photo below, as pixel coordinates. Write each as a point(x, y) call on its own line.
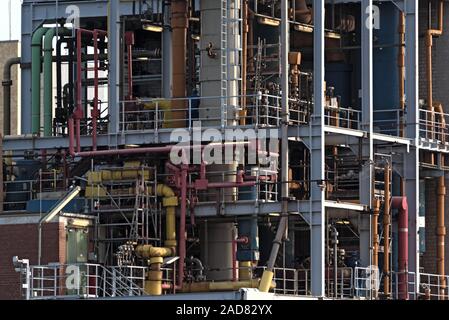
point(430, 34)
point(375, 236)
point(386, 232)
point(441, 233)
point(179, 44)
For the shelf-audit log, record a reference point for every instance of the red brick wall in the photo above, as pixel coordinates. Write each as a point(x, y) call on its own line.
point(22, 240)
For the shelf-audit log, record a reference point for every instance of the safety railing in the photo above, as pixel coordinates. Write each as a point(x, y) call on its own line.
point(344, 281)
point(403, 285)
point(17, 193)
point(345, 118)
point(433, 287)
point(83, 280)
point(388, 121)
point(265, 188)
point(433, 126)
point(366, 282)
point(261, 110)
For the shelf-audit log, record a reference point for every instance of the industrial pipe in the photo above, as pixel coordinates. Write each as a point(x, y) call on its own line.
point(400, 203)
point(375, 237)
point(154, 284)
point(170, 202)
point(7, 83)
point(36, 48)
point(441, 233)
point(221, 286)
point(179, 43)
point(147, 251)
point(48, 75)
point(429, 43)
point(243, 111)
point(386, 232)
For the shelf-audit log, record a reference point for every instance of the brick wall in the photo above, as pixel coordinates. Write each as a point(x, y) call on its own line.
point(439, 56)
point(440, 94)
point(22, 240)
point(428, 261)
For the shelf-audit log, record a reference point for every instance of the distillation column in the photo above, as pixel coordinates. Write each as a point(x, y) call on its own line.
point(219, 75)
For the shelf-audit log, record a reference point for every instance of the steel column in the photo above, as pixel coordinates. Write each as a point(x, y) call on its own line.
point(411, 161)
point(114, 65)
point(317, 155)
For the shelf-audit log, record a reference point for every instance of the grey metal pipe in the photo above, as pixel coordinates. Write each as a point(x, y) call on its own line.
point(7, 83)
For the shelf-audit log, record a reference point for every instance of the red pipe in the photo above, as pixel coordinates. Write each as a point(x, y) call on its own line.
point(71, 137)
point(400, 203)
point(95, 106)
point(78, 113)
point(243, 240)
point(129, 40)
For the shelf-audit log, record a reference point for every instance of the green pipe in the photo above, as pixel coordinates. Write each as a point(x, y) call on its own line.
point(48, 76)
point(36, 48)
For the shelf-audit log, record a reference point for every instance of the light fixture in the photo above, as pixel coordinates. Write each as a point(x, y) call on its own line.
point(151, 26)
point(169, 260)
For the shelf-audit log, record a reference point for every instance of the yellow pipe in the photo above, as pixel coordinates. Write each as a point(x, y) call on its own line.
point(267, 281)
point(166, 106)
point(148, 251)
point(154, 284)
point(245, 270)
point(165, 191)
point(170, 202)
point(220, 286)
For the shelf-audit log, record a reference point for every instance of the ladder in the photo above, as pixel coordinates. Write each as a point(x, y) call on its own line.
point(231, 19)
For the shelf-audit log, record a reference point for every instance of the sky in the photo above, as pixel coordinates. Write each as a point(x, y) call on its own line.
point(10, 19)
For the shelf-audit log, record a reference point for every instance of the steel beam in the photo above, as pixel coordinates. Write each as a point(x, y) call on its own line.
point(317, 212)
point(411, 161)
point(366, 174)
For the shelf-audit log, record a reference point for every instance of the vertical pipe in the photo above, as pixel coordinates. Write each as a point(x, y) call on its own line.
point(182, 226)
point(167, 53)
point(401, 204)
point(7, 83)
point(36, 51)
point(386, 232)
point(179, 42)
point(59, 44)
point(95, 108)
point(375, 235)
point(441, 233)
point(243, 112)
point(48, 77)
point(129, 38)
point(429, 43)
